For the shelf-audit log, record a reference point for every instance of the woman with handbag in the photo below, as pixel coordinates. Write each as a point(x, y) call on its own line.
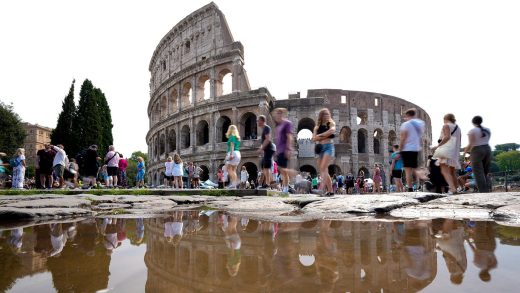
point(447, 152)
point(323, 135)
point(233, 155)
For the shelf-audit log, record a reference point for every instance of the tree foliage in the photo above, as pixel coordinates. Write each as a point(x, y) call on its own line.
point(131, 170)
point(12, 134)
point(64, 132)
point(506, 147)
point(509, 160)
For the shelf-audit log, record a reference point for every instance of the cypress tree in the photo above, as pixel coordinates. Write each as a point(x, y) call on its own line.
point(106, 120)
point(64, 132)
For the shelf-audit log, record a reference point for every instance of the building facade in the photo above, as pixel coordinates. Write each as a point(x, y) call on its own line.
point(189, 109)
point(36, 138)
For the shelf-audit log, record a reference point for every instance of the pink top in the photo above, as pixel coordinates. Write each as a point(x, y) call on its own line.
point(275, 168)
point(123, 164)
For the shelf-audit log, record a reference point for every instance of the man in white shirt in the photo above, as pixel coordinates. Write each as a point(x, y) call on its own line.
point(112, 162)
point(410, 145)
point(59, 163)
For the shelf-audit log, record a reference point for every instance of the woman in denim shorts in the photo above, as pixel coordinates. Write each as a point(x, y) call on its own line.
point(323, 135)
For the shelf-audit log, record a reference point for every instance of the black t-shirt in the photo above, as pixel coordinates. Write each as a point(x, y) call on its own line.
point(265, 132)
point(91, 159)
point(46, 158)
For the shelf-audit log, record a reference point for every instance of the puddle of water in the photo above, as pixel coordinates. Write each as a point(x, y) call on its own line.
point(201, 251)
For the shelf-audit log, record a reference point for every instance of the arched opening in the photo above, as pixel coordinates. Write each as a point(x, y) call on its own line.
point(156, 113)
point(205, 173)
point(248, 126)
point(187, 98)
point(334, 169)
point(378, 136)
point(362, 141)
point(392, 139)
point(252, 169)
point(164, 107)
point(156, 146)
point(224, 82)
point(304, 134)
point(203, 88)
point(172, 141)
point(222, 126)
point(345, 135)
point(309, 169)
point(362, 118)
point(162, 144)
point(173, 101)
point(185, 137)
point(365, 171)
point(202, 133)
point(306, 123)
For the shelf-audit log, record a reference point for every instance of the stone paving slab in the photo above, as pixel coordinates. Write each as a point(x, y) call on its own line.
point(56, 202)
point(364, 203)
point(449, 211)
point(10, 213)
point(486, 200)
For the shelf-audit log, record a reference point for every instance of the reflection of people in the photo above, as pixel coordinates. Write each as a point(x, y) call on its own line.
point(109, 229)
point(139, 231)
point(16, 239)
point(58, 239)
point(451, 242)
point(327, 258)
point(483, 247)
point(233, 243)
point(173, 227)
point(418, 253)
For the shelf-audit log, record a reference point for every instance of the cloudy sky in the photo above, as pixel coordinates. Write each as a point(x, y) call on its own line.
point(445, 56)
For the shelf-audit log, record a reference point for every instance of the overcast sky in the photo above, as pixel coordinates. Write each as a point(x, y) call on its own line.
point(445, 56)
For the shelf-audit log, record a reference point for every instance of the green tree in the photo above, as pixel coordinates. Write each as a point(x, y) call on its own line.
point(12, 134)
point(501, 148)
point(93, 121)
point(131, 170)
point(64, 132)
point(509, 160)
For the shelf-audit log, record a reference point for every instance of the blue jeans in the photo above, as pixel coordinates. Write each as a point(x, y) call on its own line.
point(327, 149)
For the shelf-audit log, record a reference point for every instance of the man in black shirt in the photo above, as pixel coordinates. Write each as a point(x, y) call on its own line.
point(267, 149)
point(45, 157)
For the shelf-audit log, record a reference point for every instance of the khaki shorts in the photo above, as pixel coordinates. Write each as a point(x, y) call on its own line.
point(58, 170)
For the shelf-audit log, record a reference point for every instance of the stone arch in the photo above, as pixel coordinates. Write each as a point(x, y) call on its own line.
point(392, 139)
point(362, 140)
point(223, 123)
point(156, 148)
point(365, 171)
point(362, 118)
point(334, 169)
point(248, 128)
point(172, 140)
point(186, 97)
point(378, 141)
point(156, 113)
point(162, 144)
point(185, 137)
point(203, 86)
point(164, 107)
point(306, 123)
point(202, 133)
point(252, 169)
point(205, 173)
point(223, 88)
point(345, 135)
point(173, 101)
point(309, 169)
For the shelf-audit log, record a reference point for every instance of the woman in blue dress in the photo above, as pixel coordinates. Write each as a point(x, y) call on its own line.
point(140, 172)
point(19, 169)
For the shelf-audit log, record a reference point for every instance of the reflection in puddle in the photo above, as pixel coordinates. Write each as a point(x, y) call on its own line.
point(212, 251)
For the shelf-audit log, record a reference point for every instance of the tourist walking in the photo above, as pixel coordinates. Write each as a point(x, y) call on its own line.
point(244, 176)
point(177, 171)
point(112, 162)
point(168, 172)
point(410, 145)
point(18, 164)
point(123, 164)
point(284, 145)
point(397, 168)
point(322, 136)
point(197, 170)
point(91, 164)
point(44, 159)
point(480, 153)
point(377, 179)
point(59, 163)
point(233, 155)
point(141, 169)
point(266, 149)
point(447, 152)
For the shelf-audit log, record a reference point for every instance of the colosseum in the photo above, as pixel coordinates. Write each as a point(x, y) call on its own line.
point(199, 87)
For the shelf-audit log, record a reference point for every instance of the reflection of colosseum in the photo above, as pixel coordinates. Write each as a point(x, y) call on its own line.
point(191, 106)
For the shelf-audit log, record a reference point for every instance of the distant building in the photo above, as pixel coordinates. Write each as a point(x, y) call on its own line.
point(37, 136)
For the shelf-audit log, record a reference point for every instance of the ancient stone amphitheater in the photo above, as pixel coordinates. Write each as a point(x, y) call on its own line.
point(199, 86)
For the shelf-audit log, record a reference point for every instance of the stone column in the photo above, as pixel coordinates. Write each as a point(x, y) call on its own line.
point(194, 90)
point(178, 136)
point(192, 133)
point(236, 73)
point(212, 84)
point(179, 97)
point(234, 119)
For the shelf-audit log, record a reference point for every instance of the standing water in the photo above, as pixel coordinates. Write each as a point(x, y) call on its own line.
point(209, 251)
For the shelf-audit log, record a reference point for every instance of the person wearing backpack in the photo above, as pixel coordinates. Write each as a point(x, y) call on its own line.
point(18, 164)
point(3, 171)
point(410, 145)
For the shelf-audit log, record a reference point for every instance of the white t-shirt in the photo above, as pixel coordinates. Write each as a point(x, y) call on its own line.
point(477, 135)
point(114, 161)
point(169, 168)
point(178, 169)
point(59, 159)
point(173, 228)
point(244, 176)
point(414, 128)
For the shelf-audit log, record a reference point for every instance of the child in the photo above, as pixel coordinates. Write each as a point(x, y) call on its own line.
point(244, 176)
point(104, 175)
